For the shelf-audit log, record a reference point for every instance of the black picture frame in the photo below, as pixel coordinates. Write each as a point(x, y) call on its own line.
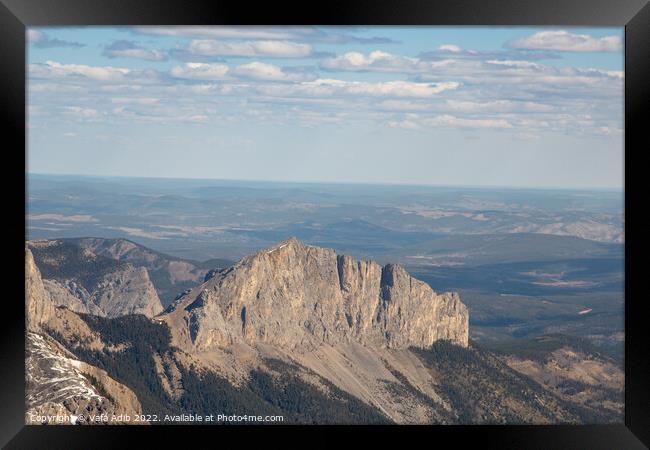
point(634, 15)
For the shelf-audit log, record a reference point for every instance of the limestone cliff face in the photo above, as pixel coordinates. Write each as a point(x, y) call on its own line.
point(38, 306)
point(168, 274)
point(127, 291)
point(85, 282)
point(293, 295)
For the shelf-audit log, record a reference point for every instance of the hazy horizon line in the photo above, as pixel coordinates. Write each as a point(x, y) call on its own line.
point(330, 182)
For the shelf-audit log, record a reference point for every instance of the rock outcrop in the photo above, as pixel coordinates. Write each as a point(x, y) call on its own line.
point(84, 282)
point(170, 275)
point(127, 291)
point(298, 296)
point(323, 336)
point(60, 389)
point(38, 306)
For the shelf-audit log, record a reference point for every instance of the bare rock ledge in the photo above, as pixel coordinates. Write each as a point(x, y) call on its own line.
point(296, 296)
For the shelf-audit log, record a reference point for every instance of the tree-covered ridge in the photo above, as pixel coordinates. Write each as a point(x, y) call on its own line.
point(276, 390)
point(483, 389)
point(541, 347)
point(474, 381)
point(63, 260)
point(306, 403)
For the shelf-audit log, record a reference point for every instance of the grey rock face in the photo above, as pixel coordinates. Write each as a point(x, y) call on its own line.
point(126, 291)
point(38, 306)
point(293, 295)
point(168, 274)
point(118, 293)
point(211, 274)
point(72, 296)
point(85, 282)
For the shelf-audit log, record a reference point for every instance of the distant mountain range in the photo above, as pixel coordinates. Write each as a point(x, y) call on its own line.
point(412, 225)
point(293, 330)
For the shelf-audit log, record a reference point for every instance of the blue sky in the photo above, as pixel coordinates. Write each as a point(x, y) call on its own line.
point(419, 105)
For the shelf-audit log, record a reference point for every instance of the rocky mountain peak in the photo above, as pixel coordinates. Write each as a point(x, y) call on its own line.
point(291, 241)
point(287, 248)
point(293, 295)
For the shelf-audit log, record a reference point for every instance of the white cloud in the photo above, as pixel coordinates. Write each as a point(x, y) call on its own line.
point(493, 77)
point(128, 49)
point(199, 89)
point(121, 88)
point(42, 40)
point(399, 88)
point(54, 88)
point(329, 87)
point(161, 115)
point(518, 64)
point(448, 120)
point(254, 71)
point(496, 106)
point(266, 72)
point(55, 69)
point(201, 71)
point(139, 53)
point(466, 106)
point(376, 60)
point(495, 91)
point(226, 32)
point(278, 49)
point(301, 33)
point(404, 124)
point(135, 100)
point(380, 61)
point(415, 122)
point(402, 105)
point(616, 73)
point(568, 42)
point(83, 113)
point(450, 48)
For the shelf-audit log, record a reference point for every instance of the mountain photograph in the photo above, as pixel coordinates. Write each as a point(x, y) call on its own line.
point(324, 226)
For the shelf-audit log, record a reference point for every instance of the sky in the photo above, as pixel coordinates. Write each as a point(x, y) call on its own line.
point(471, 106)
